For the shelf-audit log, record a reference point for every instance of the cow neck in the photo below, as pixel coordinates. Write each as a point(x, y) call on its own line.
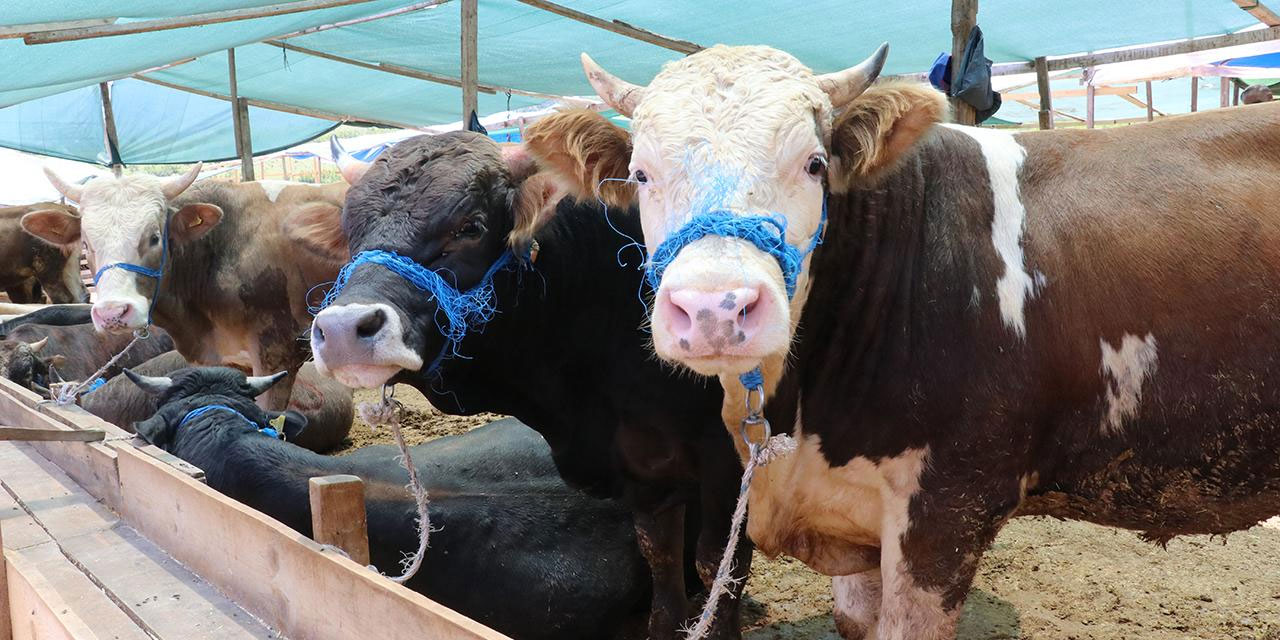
point(192, 267)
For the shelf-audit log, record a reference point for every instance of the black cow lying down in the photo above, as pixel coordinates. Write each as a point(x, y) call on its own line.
point(323, 401)
point(517, 549)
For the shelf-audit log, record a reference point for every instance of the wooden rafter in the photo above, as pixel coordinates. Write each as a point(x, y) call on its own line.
point(617, 26)
point(418, 6)
point(1036, 106)
point(1260, 11)
point(179, 22)
point(20, 30)
point(1141, 105)
point(1076, 93)
point(1141, 53)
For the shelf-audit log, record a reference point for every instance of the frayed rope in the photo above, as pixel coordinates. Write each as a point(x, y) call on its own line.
point(65, 393)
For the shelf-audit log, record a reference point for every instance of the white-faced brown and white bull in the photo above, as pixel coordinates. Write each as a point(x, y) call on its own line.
point(1073, 323)
point(31, 266)
point(232, 273)
point(565, 350)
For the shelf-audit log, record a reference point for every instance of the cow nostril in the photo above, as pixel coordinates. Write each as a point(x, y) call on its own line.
point(371, 324)
point(317, 333)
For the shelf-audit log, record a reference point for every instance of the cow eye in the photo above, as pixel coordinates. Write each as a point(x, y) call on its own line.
point(817, 165)
point(470, 229)
point(640, 176)
point(155, 238)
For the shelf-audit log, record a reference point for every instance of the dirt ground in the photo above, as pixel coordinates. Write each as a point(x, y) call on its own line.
point(1043, 579)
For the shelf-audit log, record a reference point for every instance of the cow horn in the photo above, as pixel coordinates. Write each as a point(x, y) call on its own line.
point(38, 345)
point(71, 191)
point(843, 86)
point(616, 92)
point(351, 168)
point(259, 384)
point(174, 187)
point(154, 385)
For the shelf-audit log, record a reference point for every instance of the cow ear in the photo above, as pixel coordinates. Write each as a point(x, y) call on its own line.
point(193, 221)
point(156, 430)
point(587, 153)
point(534, 204)
point(317, 227)
point(878, 129)
point(55, 226)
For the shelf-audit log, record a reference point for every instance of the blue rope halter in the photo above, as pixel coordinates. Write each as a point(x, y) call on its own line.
point(456, 311)
point(767, 233)
point(155, 274)
point(196, 413)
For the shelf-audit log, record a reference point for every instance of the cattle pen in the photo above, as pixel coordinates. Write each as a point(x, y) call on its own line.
point(106, 537)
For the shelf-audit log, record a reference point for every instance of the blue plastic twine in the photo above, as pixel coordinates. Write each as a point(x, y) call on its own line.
point(456, 311)
point(196, 413)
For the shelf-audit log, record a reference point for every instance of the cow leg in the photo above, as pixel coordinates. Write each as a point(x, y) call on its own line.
point(931, 543)
point(660, 534)
point(857, 604)
point(720, 471)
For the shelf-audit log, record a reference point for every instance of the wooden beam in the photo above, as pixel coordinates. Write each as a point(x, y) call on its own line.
point(240, 121)
point(277, 106)
point(1150, 105)
point(1195, 92)
point(1139, 104)
point(964, 15)
point(468, 57)
point(1045, 94)
point(1078, 93)
point(33, 434)
point(20, 30)
point(1090, 94)
point(1224, 92)
point(617, 26)
point(179, 22)
point(46, 615)
point(418, 6)
point(109, 126)
point(338, 515)
point(1141, 53)
point(6, 620)
point(1260, 11)
point(1031, 104)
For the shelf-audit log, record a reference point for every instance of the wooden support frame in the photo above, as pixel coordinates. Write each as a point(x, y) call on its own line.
point(469, 55)
point(197, 20)
point(338, 515)
point(964, 16)
point(240, 122)
point(1121, 90)
point(1140, 53)
point(1260, 11)
point(109, 127)
point(399, 11)
point(33, 434)
point(1046, 95)
point(617, 26)
point(1090, 94)
point(6, 620)
point(1195, 93)
point(1224, 92)
point(1151, 107)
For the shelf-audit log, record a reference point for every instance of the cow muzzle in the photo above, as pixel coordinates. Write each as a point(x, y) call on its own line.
point(361, 345)
point(118, 316)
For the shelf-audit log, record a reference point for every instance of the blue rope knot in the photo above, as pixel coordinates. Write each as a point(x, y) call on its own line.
point(456, 311)
point(196, 413)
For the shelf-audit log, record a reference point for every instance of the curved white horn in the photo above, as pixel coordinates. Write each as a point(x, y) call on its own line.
point(616, 92)
point(38, 345)
point(154, 385)
point(71, 191)
point(843, 86)
point(260, 384)
point(351, 168)
point(174, 187)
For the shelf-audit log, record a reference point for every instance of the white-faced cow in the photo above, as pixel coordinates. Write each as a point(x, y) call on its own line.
point(223, 267)
point(1073, 323)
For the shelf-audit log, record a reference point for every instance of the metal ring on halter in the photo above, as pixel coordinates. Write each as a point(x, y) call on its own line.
point(758, 409)
point(756, 419)
point(142, 333)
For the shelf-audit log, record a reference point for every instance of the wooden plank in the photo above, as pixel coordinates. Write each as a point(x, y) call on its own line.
point(417, 6)
point(179, 22)
point(284, 578)
point(240, 121)
point(1046, 95)
point(28, 434)
point(156, 593)
point(468, 60)
point(1063, 63)
point(1224, 92)
point(1139, 104)
point(1260, 11)
point(1032, 105)
point(1195, 92)
point(1077, 93)
point(1090, 99)
point(617, 26)
point(109, 126)
point(1151, 107)
point(964, 15)
point(19, 30)
point(338, 515)
point(6, 621)
point(40, 612)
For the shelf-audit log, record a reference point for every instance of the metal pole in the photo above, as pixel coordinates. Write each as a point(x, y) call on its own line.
point(240, 120)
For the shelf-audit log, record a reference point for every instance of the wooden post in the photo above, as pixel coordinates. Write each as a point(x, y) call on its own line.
point(1235, 94)
point(1151, 109)
point(6, 621)
point(338, 515)
point(317, 170)
point(1195, 92)
point(964, 15)
point(1090, 94)
point(109, 125)
point(1224, 92)
point(240, 120)
point(469, 72)
point(1046, 96)
point(284, 166)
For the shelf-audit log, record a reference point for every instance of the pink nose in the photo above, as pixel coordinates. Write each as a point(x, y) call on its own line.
point(710, 322)
point(112, 315)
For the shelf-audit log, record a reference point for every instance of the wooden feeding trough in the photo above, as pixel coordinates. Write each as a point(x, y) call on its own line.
point(104, 537)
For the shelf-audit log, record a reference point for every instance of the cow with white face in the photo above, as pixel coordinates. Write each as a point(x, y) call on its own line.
point(995, 324)
point(223, 267)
